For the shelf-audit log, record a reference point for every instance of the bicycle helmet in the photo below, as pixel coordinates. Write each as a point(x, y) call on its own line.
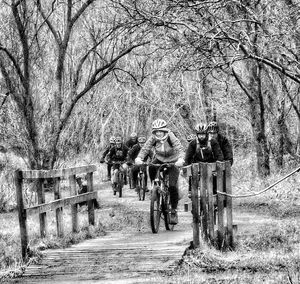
point(133, 135)
point(201, 128)
point(118, 139)
point(160, 125)
point(142, 139)
point(190, 137)
point(213, 127)
point(112, 139)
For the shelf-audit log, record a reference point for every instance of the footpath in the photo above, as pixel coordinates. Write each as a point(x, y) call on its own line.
point(118, 257)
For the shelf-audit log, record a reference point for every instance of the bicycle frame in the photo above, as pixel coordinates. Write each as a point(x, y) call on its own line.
point(118, 177)
point(160, 199)
point(141, 183)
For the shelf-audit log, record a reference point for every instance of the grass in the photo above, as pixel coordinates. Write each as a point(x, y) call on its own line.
point(266, 252)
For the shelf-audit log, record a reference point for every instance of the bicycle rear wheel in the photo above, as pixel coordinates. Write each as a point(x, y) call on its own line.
point(155, 211)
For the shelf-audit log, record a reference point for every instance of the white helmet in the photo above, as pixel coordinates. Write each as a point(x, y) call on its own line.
point(160, 125)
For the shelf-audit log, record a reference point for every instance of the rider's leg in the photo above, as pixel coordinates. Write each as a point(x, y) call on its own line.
point(134, 172)
point(173, 189)
point(114, 177)
point(109, 171)
point(173, 186)
point(153, 170)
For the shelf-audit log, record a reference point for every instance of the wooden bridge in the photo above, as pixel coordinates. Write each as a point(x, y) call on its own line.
point(131, 257)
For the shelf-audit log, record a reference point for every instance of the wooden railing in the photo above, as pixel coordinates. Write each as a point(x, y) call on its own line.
point(58, 203)
point(212, 211)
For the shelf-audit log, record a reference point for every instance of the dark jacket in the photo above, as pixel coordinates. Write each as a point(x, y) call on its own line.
point(133, 153)
point(118, 154)
point(226, 148)
point(130, 143)
point(202, 152)
point(106, 151)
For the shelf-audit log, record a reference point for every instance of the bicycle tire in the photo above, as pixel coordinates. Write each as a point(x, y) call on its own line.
point(155, 211)
point(143, 187)
point(139, 188)
point(165, 211)
point(120, 184)
point(129, 175)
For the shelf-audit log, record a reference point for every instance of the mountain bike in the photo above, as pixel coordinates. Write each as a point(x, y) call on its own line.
point(141, 182)
point(160, 206)
point(118, 178)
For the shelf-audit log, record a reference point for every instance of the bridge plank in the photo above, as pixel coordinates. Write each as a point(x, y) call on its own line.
point(61, 202)
point(63, 173)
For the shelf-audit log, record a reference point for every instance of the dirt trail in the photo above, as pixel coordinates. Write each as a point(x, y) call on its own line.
point(118, 257)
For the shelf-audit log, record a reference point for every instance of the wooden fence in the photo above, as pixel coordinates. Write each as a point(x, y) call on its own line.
point(58, 203)
point(212, 211)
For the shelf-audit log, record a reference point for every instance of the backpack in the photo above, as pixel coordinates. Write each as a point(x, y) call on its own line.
point(205, 152)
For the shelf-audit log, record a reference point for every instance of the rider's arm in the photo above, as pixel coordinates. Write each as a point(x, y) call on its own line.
point(110, 154)
point(106, 151)
point(146, 148)
point(226, 148)
point(217, 151)
point(190, 152)
point(177, 145)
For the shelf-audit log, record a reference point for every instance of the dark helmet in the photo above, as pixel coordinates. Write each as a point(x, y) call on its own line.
point(213, 127)
point(201, 128)
point(190, 137)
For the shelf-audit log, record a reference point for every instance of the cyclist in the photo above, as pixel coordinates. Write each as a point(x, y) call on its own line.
point(133, 140)
point(201, 149)
point(167, 149)
point(132, 154)
point(213, 132)
point(118, 154)
point(106, 151)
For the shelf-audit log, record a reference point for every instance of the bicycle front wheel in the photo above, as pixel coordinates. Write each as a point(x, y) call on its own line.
point(141, 187)
point(155, 211)
point(120, 184)
point(166, 205)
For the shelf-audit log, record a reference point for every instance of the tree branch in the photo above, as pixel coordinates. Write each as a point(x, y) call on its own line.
point(242, 85)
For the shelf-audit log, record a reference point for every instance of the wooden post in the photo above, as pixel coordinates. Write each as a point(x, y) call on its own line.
point(91, 210)
point(210, 216)
point(74, 213)
point(228, 204)
point(41, 200)
point(220, 200)
point(59, 211)
point(203, 200)
point(195, 204)
point(21, 213)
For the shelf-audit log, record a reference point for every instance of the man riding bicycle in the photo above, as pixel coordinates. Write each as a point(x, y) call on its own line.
point(132, 154)
point(168, 149)
point(112, 143)
point(117, 154)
